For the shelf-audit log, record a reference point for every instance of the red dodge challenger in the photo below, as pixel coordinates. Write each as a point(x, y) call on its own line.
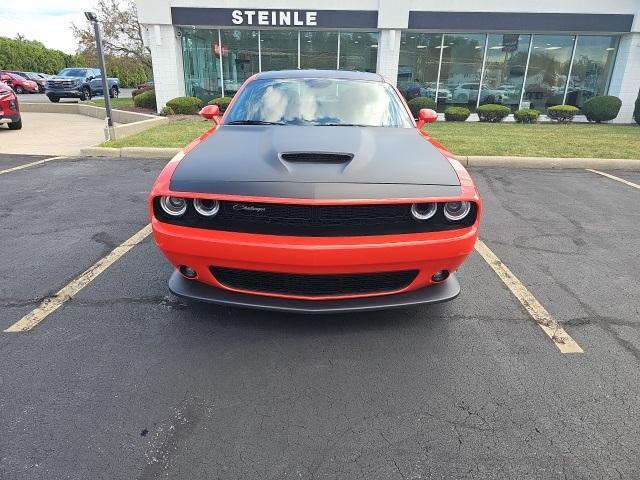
point(316, 192)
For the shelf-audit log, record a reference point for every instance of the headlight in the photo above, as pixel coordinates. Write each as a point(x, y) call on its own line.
point(423, 211)
point(174, 206)
point(206, 208)
point(455, 211)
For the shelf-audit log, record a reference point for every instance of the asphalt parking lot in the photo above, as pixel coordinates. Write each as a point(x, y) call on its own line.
point(125, 381)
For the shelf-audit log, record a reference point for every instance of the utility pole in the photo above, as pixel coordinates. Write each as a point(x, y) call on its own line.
point(103, 69)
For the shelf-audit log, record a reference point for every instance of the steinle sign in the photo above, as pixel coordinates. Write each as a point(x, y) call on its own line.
point(275, 18)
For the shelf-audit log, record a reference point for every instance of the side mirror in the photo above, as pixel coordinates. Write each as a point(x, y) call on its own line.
point(210, 112)
point(426, 115)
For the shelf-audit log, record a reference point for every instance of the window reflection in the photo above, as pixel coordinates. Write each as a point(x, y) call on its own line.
point(418, 66)
point(319, 50)
point(548, 70)
point(461, 68)
point(279, 49)
point(358, 51)
point(239, 58)
point(591, 70)
point(201, 64)
point(504, 69)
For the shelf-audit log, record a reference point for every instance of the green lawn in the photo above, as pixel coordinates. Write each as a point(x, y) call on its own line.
point(468, 138)
point(539, 140)
point(174, 134)
point(115, 102)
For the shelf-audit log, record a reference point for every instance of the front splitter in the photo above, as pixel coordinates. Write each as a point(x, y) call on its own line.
point(194, 290)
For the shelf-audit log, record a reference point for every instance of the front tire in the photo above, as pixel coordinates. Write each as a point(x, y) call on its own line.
point(86, 94)
point(19, 89)
point(54, 99)
point(114, 92)
point(15, 125)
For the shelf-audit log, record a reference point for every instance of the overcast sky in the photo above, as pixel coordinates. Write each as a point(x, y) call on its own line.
point(48, 21)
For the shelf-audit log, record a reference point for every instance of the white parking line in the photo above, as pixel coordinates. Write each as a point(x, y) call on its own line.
point(32, 164)
point(52, 303)
point(613, 177)
point(556, 333)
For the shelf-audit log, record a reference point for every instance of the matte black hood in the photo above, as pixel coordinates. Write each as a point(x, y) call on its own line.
point(245, 160)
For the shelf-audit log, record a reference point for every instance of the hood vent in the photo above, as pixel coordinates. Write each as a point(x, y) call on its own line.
point(316, 157)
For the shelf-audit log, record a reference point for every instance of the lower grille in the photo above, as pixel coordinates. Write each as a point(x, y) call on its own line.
point(314, 285)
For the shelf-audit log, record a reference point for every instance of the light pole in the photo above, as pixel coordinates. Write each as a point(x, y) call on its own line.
point(103, 69)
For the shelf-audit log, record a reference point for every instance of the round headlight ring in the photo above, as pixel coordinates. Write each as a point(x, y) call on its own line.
point(455, 211)
point(206, 208)
point(423, 211)
point(174, 206)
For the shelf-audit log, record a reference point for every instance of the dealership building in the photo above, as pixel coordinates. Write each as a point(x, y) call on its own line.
point(459, 52)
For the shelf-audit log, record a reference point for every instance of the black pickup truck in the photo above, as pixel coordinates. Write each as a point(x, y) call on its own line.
point(82, 83)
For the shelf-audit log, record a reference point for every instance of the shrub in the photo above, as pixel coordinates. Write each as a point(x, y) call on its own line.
point(185, 105)
point(456, 114)
point(136, 92)
point(146, 99)
point(562, 113)
point(602, 108)
point(492, 112)
point(418, 103)
point(222, 102)
point(166, 111)
point(636, 110)
point(526, 115)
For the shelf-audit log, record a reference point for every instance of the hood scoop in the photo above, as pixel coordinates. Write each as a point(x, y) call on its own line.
point(316, 157)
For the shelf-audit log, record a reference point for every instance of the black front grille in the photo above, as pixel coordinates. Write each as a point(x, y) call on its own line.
point(314, 285)
point(315, 220)
point(312, 157)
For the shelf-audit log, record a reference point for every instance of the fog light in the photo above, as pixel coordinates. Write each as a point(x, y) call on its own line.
point(440, 276)
point(188, 272)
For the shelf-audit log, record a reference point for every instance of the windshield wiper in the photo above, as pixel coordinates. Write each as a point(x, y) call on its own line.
point(252, 122)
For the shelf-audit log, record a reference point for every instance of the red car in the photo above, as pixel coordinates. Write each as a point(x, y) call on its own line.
point(19, 83)
point(9, 109)
point(316, 192)
point(40, 81)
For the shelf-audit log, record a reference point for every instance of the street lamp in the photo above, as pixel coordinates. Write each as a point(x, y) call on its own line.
point(105, 84)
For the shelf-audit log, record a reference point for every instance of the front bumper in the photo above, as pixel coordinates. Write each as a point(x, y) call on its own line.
point(9, 118)
point(442, 292)
point(72, 93)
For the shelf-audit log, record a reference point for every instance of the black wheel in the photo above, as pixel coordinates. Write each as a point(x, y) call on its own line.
point(114, 92)
point(19, 89)
point(15, 125)
point(86, 94)
point(54, 99)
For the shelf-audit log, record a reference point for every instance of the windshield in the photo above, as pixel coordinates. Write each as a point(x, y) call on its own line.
point(319, 101)
point(72, 72)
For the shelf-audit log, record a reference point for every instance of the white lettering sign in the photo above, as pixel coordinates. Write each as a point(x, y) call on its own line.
point(274, 18)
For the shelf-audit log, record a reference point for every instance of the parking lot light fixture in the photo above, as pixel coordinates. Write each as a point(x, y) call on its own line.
point(91, 17)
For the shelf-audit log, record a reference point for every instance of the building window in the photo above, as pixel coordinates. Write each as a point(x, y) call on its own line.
point(548, 70)
point(201, 61)
point(591, 70)
point(418, 65)
point(279, 49)
point(319, 50)
point(358, 51)
point(239, 58)
point(461, 69)
point(504, 69)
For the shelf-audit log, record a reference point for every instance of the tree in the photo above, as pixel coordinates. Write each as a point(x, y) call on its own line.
point(121, 33)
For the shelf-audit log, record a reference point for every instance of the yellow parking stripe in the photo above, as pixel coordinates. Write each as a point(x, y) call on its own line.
point(556, 333)
point(32, 164)
point(52, 303)
point(613, 177)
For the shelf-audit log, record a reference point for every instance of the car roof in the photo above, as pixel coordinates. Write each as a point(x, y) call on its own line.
point(310, 73)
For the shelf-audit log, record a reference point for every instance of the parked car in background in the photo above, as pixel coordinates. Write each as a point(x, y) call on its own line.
point(9, 108)
point(82, 83)
point(19, 83)
point(444, 94)
point(148, 85)
point(468, 93)
point(33, 77)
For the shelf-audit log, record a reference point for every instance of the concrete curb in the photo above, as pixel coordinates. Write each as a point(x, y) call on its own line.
point(130, 152)
point(467, 161)
point(550, 163)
